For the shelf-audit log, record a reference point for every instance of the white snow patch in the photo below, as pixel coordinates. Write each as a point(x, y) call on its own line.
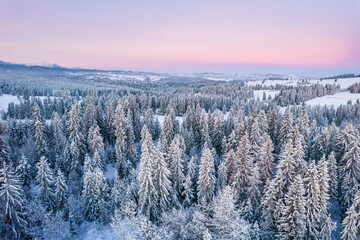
point(161, 119)
point(5, 99)
point(339, 98)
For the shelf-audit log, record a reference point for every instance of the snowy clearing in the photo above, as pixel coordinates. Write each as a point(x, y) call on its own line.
point(343, 82)
point(340, 98)
point(5, 99)
point(259, 93)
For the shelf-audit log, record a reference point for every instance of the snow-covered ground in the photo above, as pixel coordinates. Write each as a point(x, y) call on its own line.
point(5, 99)
point(162, 118)
point(259, 93)
point(343, 82)
point(339, 98)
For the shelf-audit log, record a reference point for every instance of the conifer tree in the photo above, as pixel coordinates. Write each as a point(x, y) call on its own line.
point(223, 174)
point(292, 223)
point(12, 199)
point(225, 213)
point(266, 160)
point(188, 191)
point(351, 223)
point(204, 131)
point(254, 191)
point(243, 168)
point(60, 190)
point(38, 130)
point(44, 179)
point(94, 195)
point(23, 171)
point(168, 132)
point(217, 131)
point(333, 172)
point(147, 192)
point(350, 173)
point(76, 137)
point(162, 183)
point(176, 160)
point(58, 133)
point(313, 204)
point(96, 143)
point(206, 181)
point(231, 163)
point(286, 128)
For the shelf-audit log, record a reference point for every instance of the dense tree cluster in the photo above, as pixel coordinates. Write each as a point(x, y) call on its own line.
point(195, 162)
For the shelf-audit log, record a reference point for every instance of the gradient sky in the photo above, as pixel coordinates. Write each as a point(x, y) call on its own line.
point(184, 36)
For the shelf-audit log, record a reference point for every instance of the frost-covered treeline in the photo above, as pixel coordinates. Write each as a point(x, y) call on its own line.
point(119, 163)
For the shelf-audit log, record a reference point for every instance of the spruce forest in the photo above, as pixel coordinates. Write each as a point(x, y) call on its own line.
point(178, 159)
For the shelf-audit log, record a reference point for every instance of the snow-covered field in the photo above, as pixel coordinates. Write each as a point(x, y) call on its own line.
point(340, 98)
point(5, 99)
point(343, 82)
point(259, 93)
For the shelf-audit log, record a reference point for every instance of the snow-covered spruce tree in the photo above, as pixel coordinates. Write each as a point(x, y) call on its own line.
point(120, 122)
point(313, 205)
point(256, 140)
point(217, 131)
point(321, 145)
point(272, 205)
point(333, 173)
point(44, 179)
point(286, 128)
point(94, 195)
point(176, 160)
point(324, 180)
point(266, 160)
point(12, 199)
point(231, 163)
point(254, 190)
point(149, 121)
point(61, 189)
point(187, 193)
point(95, 141)
point(59, 138)
point(4, 151)
point(131, 153)
point(351, 223)
point(76, 137)
point(292, 224)
point(298, 150)
point(38, 130)
point(231, 142)
point(148, 197)
point(263, 122)
point(89, 113)
point(241, 125)
point(225, 213)
point(23, 171)
point(223, 174)
point(168, 132)
point(206, 181)
point(161, 180)
point(344, 140)
point(204, 131)
point(303, 123)
point(350, 173)
point(108, 122)
point(287, 165)
point(244, 162)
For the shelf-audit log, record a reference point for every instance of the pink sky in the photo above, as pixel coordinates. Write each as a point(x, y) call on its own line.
point(182, 35)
